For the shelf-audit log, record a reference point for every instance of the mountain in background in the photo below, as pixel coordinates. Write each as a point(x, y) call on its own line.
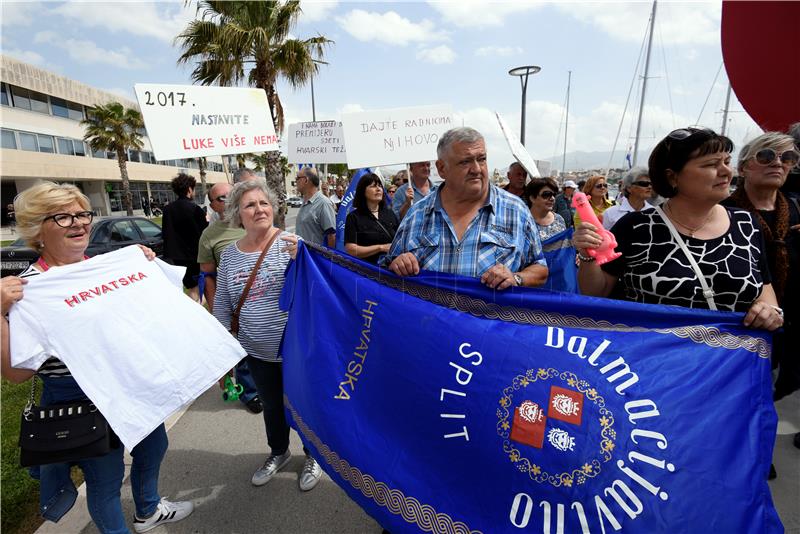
point(581, 160)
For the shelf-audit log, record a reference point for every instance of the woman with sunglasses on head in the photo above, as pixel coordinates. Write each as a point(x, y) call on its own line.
point(691, 168)
point(764, 164)
point(636, 191)
point(540, 195)
point(56, 221)
point(370, 227)
point(596, 189)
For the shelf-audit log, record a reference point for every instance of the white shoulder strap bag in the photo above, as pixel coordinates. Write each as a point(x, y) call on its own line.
point(707, 291)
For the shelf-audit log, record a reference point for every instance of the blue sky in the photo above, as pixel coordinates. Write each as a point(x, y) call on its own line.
point(397, 54)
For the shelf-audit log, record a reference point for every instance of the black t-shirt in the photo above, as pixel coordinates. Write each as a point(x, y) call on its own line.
point(365, 230)
point(654, 270)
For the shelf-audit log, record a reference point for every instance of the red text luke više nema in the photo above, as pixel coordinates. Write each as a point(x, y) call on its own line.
point(102, 289)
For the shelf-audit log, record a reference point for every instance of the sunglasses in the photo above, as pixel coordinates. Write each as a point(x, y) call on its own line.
point(685, 133)
point(221, 198)
point(601, 186)
point(547, 195)
point(642, 183)
point(65, 220)
point(765, 156)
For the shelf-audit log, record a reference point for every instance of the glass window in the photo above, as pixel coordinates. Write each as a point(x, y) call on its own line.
point(123, 231)
point(133, 155)
point(4, 93)
point(46, 144)
point(39, 102)
point(99, 154)
point(20, 97)
point(75, 111)
point(9, 140)
point(65, 146)
point(28, 142)
point(59, 107)
point(148, 229)
point(79, 147)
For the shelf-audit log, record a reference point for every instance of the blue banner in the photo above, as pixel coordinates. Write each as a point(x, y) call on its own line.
point(560, 255)
point(346, 206)
point(439, 405)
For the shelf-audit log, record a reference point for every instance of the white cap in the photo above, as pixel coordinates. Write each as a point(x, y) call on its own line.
point(570, 183)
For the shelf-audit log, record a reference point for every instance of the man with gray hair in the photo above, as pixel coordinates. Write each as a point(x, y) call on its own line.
point(517, 176)
point(415, 190)
point(243, 174)
point(636, 191)
point(316, 220)
point(468, 226)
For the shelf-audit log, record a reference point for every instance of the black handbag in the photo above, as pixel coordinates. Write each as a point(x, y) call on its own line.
point(62, 432)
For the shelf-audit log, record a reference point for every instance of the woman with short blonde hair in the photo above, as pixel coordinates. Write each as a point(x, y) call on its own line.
point(34, 204)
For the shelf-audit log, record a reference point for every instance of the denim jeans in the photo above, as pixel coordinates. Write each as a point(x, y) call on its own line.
point(103, 475)
point(245, 378)
point(268, 377)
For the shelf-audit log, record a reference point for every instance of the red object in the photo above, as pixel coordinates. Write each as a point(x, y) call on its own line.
point(526, 432)
point(759, 46)
point(605, 252)
point(565, 405)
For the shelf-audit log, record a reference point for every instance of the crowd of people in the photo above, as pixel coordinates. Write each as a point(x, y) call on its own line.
point(684, 240)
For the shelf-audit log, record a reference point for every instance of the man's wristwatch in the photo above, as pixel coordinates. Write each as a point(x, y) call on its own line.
point(518, 279)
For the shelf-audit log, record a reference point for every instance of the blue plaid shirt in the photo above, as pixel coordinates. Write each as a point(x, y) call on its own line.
point(503, 231)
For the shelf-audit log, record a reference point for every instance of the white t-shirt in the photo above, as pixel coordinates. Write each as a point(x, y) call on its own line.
point(135, 344)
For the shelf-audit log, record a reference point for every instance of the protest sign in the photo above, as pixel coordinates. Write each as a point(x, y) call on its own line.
point(392, 136)
point(440, 405)
point(186, 121)
point(316, 142)
point(518, 150)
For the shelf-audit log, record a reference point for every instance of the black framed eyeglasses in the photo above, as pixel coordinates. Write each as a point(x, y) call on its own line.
point(765, 156)
point(643, 184)
point(65, 220)
point(221, 198)
point(547, 195)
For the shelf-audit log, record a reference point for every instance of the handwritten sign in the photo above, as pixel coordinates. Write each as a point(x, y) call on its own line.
point(518, 150)
point(316, 142)
point(185, 121)
point(392, 136)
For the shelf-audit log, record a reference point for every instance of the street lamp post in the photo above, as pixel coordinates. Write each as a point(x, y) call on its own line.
point(523, 73)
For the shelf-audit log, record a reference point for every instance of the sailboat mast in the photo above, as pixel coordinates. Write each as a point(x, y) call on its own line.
point(644, 83)
point(725, 111)
point(566, 125)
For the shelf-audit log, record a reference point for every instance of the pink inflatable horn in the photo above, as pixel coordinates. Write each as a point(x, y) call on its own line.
point(605, 252)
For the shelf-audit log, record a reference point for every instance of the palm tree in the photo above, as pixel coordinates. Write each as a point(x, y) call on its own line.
point(115, 128)
point(234, 42)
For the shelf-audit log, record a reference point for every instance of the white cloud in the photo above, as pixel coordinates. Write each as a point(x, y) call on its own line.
point(498, 51)
point(439, 55)
point(676, 23)
point(388, 28)
point(18, 13)
point(163, 21)
point(87, 52)
point(315, 10)
point(480, 14)
point(349, 108)
point(27, 56)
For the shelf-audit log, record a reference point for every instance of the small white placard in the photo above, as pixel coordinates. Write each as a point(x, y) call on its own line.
point(393, 136)
point(187, 121)
point(316, 142)
point(518, 150)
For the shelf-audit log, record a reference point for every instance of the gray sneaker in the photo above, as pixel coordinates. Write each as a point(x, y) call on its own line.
point(310, 474)
point(273, 464)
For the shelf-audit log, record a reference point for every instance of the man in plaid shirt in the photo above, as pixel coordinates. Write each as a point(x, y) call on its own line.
point(468, 226)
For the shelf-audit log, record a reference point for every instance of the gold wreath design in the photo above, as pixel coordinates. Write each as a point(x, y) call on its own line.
point(706, 335)
point(413, 511)
point(536, 472)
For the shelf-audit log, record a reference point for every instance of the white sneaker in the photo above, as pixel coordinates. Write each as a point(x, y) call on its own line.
point(273, 464)
point(309, 476)
point(166, 512)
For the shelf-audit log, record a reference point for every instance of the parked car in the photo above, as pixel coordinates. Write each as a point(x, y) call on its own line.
point(294, 202)
point(107, 235)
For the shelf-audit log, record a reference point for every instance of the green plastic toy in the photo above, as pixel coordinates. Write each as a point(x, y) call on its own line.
point(232, 390)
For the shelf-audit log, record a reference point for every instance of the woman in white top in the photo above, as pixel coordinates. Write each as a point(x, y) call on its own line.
point(636, 190)
point(261, 321)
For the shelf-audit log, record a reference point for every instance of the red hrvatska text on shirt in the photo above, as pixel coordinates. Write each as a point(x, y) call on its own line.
point(102, 289)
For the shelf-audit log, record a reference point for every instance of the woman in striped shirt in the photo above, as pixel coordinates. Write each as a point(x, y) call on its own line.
point(261, 321)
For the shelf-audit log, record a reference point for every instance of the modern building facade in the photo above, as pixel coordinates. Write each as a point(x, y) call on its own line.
point(42, 139)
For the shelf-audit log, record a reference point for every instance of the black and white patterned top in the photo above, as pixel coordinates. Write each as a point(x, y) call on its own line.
point(653, 269)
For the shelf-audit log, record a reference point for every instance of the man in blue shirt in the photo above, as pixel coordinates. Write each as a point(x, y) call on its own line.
point(468, 226)
point(415, 190)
